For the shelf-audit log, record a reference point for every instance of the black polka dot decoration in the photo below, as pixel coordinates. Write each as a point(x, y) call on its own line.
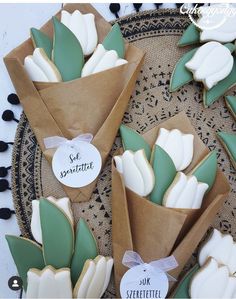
point(4, 185)
point(137, 6)
point(179, 5)
point(158, 5)
point(4, 146)
point(13, 99)
point(8, 115)
point(4, 171)
point(115, 8)
point(6, 213)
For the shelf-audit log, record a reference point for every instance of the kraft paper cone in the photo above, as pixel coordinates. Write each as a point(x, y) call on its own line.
point(155, 231)
point(93, 104)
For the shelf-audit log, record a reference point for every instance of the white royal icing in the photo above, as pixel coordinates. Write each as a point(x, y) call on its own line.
point(185, 192)
point(225, 26)
point(49, 283)
point(210, 64)
point(62, 203)
point(222, 248)
point(178, 146)
point(137, 172)
point(40, 68)
point(211, 281)
point(101, 60)
point(83, 27)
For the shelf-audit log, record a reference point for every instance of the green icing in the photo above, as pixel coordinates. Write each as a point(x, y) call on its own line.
point(41, 40)
point(182, 290)
point(57, 235)
point(213, 94)
point(133, 141)
point(231, 103)
point(26, 254)
point(114, 41)
point(205, 171)
point(181, 75)
point(85, 248)
point(190, 36)
point(164, 170)
point(67, 52)
point(229, 142)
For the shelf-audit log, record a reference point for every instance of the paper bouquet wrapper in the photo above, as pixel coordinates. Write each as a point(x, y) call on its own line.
point(93, 104)
point(155, 231)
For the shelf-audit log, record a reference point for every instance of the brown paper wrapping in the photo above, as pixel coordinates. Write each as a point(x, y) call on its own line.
point(155, 231)
point(94, 104)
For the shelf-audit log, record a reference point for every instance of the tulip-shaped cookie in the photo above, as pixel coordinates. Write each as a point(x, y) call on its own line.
point(62, 203)
point(210, 64)
point(40, 68)
point(49, 283)
point(185, 192)
point(94, 278)
point(83, 27)
point(178, 146)
point(101, 60)
point(222, 248)
point(225, 25)
point(137, 172)
point(213, 281)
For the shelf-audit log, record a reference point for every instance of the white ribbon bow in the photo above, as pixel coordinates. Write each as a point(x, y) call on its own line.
point(132, 259)
point(56, 141)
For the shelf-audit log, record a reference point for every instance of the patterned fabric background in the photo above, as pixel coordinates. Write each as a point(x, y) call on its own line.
point(157, 32)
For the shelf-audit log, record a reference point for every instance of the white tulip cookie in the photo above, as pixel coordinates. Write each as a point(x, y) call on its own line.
point(83, 27)
point(185, 192)
point(178, 146)
point(210, 64)
point(40, 68)
point(137, 172)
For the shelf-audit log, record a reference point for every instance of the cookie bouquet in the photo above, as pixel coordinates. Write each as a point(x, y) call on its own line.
point(212, 63)
point(166, 190)
point(74, 78)
point(63, 263)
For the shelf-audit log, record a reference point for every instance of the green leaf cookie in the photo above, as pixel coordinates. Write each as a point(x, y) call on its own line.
point(57, 235)
point(228, 140)
point(41, 40)
point(190, 36)
point(114, 41)
point(181, 75)
point(205, 171)
point(67, 52)
point(26, 254)
point(164, 170)
point(85, 248)
point(231, 104)
point(182, 290)
point(134, 141)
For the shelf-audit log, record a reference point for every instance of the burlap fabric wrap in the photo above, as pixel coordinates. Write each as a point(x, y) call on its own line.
point(157, 32)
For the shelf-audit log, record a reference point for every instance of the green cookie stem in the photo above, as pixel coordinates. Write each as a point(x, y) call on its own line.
point(114, 41)
point(228, 140)
point(182, 290)
point(133, 141)
point(26, 254)
point(164, 170)
point(190, 36)
point(85, 248)
point(205, 171)
point(67, 52)
point(57, 235)
point(231, 104)
point(41, 40)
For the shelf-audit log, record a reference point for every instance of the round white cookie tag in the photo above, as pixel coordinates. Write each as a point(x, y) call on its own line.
point(144, 281)
point(76, 164)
